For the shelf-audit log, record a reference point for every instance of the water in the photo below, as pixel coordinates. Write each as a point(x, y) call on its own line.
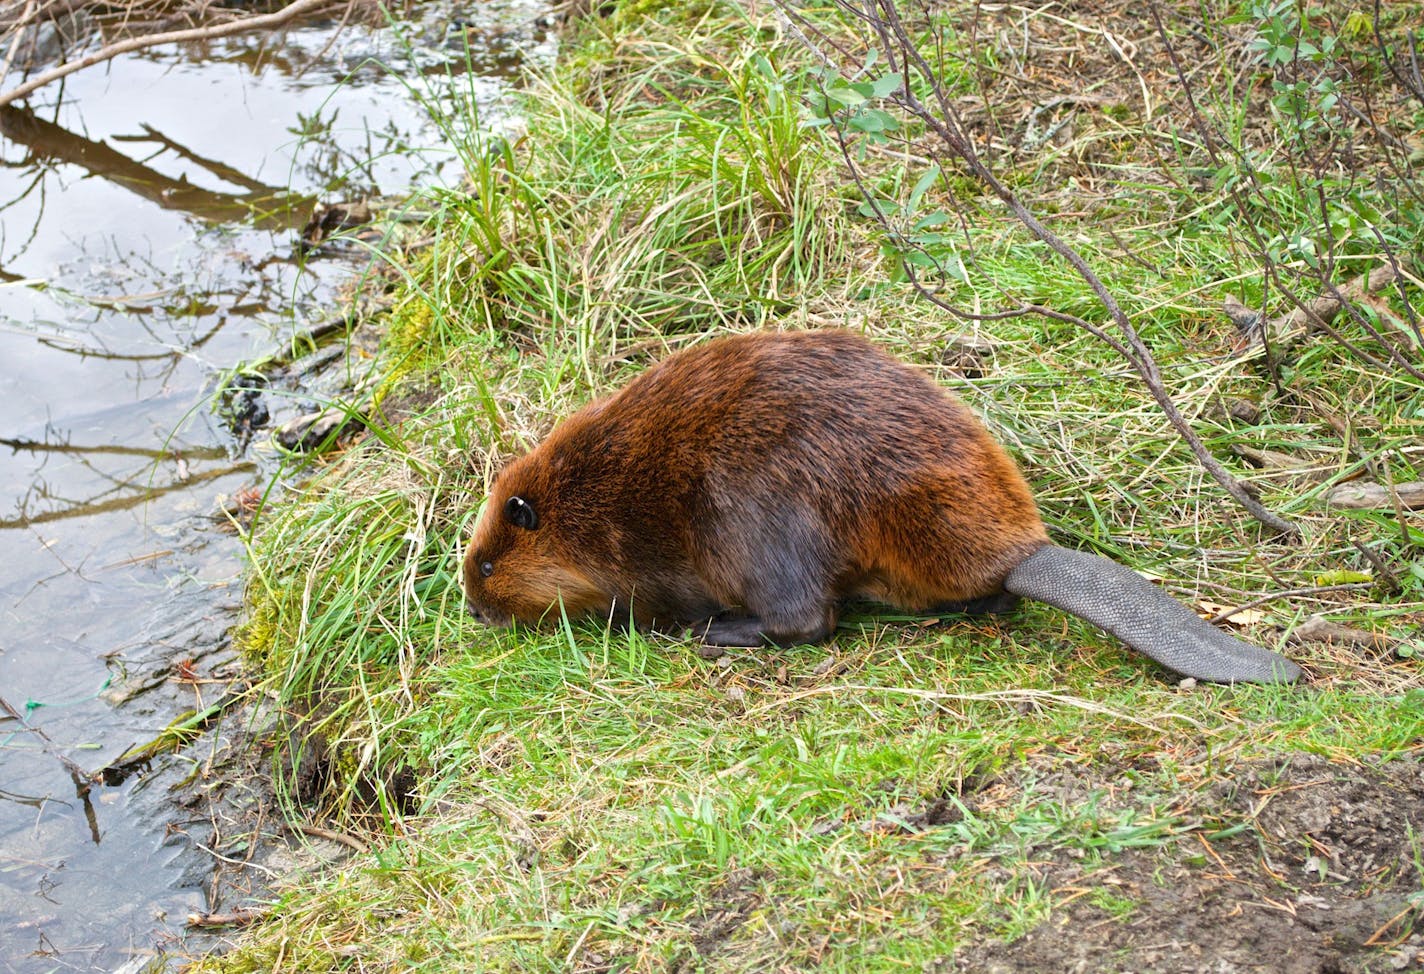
point(148, 217)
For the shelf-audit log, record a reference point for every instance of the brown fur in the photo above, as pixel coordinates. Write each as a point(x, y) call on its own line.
point(749, 486)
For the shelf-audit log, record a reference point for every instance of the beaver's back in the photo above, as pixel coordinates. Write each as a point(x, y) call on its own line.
point(893, 487)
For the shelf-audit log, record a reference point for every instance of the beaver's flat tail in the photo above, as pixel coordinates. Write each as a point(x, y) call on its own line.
point(1144, 617)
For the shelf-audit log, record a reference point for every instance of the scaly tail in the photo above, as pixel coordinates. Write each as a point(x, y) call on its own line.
point(1149, 620)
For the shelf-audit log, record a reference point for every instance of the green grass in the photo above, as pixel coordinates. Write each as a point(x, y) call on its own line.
point(604, 792)
point(586, 797)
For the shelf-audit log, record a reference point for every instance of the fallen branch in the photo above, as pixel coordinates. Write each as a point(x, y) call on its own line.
point(237, 918)
point(1317, 314)
point(1362, 495)
point(212, 31)
point(1322, 310)
point(1318, 629)
point(351, 842)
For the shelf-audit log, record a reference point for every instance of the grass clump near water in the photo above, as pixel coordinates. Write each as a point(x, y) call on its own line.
point(581, 799)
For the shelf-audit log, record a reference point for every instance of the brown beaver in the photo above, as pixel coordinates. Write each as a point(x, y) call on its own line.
point(749, 486)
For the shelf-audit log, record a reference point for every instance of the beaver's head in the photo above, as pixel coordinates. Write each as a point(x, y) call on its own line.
point(517, 566)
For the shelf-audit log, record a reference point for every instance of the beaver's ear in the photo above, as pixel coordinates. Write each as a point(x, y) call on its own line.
point(521, 514)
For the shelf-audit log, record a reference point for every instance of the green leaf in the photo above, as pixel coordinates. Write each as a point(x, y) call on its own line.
point(887, 207)
point(922, 186)
point(872, 121)
point(888, 85)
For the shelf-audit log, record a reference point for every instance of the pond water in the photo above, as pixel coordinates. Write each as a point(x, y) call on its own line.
point(149, 212)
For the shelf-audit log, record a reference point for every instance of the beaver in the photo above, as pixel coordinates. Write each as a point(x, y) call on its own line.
point(748, 487)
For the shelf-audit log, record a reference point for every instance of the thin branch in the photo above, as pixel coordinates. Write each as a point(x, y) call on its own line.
point(262, 22)
point(882, 20)
point(82, 779)
point(1412, 80)
point(1290, 593)
point(17, 38)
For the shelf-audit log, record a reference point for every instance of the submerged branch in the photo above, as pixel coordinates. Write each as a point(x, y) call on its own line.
point(83, 780)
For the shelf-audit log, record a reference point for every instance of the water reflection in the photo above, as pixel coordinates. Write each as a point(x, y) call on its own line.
point(265, 207)
point(148, 211)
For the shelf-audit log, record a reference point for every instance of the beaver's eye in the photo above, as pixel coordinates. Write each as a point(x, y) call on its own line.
point(486, 568)
point(521, 513)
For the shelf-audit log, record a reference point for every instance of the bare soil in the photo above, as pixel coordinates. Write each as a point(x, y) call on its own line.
point(1318, 872)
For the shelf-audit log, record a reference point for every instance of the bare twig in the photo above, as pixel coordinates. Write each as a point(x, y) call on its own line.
point(262, 22)
point(1313, 157)
point(83, 780)
point(1389, 580)
point(1408, 75)
point(1290, 593)
point(17, 38)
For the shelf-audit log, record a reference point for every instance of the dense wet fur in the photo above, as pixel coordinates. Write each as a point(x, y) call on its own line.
point(748, 487)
